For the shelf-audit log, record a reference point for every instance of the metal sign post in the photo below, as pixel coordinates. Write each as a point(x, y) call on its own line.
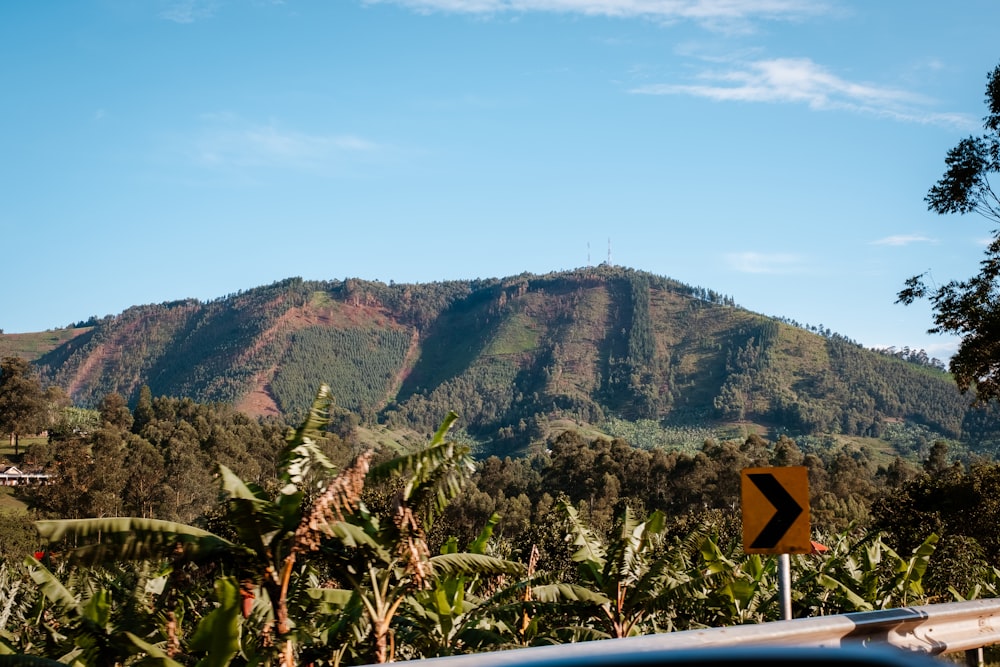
point(785, 585)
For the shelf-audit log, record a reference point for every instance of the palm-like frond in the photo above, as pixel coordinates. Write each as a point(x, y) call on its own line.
point(334, 598)
point(435, 475)
point(218, 634)
point(549, 598)
point(317, 419)
point(301, 453)
point(827, 581)
point(256, 518)
point(590, 553)
point(155, 656)
point(470, 564)
point(482, 541)
point(572, 634)
point(135, 539)
point(909, 572)
point(52, 588)
point(562, 592)
point(15, 602)
point(87, 620)
point(548, 621)
point(630, 555)
point(354, 536)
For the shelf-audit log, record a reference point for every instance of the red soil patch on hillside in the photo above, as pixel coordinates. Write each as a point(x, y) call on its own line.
point(259, 401)
point(99, 357)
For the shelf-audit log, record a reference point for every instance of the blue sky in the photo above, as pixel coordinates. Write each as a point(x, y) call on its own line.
point(777, 151)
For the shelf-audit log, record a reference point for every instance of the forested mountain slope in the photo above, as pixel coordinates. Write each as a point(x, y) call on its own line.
point(587, 345)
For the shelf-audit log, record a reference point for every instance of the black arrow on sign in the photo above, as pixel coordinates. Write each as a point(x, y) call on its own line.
point(787, 510)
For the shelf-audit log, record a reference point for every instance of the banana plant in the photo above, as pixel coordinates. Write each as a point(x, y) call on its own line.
point(861, 575)
point(738, 590)
point(90, 619)
point(16, 602)
point(270, 534)
point(458, 612)
point(539, 610)
point(629, 572)
point(386, 562)
point(383, 561)
point(988, 586)
point(437, 618)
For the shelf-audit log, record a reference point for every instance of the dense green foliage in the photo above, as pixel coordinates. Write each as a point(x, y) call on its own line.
point(157, 465)
point(583, 539)
point(361, 363)
point(961, 505)
point(22, 403)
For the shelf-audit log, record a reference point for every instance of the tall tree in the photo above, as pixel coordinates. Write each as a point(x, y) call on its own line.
point(115, 413)
point(22, 401)
point(188, 489)
point(143, 413)
point(108, 473)
point(143, 488)
point(969, 308)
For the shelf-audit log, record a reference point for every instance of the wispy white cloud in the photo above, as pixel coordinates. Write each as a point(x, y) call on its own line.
point(230, 141)
point(903, 240)
point(188, 11)
point(762, 262)
point(707, 12)
point(801, 81)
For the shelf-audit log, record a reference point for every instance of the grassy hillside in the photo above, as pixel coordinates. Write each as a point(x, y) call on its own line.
point(34, 345)
point(512, 355)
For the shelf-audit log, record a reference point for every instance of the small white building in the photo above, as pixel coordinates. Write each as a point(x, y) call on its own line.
point(14, 476)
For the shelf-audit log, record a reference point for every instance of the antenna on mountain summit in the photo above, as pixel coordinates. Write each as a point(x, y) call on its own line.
point(588, 254)
point(609, 251)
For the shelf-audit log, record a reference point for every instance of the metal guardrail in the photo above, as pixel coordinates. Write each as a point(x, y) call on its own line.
point(930, 629)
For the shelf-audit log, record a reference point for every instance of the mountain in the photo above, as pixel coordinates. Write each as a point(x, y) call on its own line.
point(508, 354)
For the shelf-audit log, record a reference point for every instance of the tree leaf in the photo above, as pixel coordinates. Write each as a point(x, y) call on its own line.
point(470, 564)
point(155, 655)
point(218, 633)
point(134, 539)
